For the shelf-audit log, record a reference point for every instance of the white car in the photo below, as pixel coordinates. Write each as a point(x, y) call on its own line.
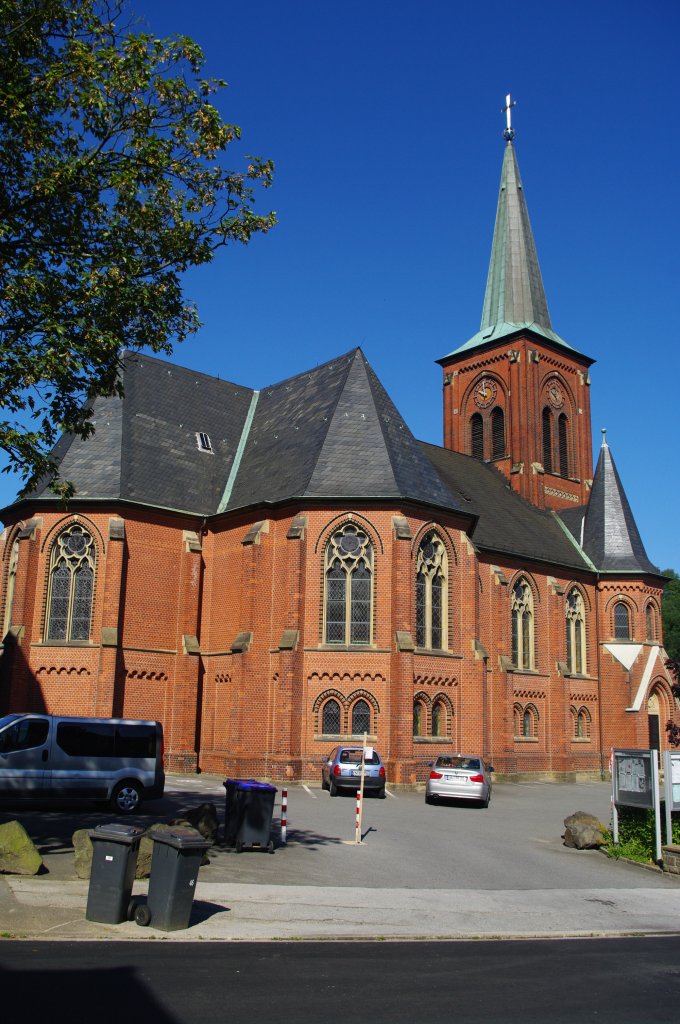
point(459, 777)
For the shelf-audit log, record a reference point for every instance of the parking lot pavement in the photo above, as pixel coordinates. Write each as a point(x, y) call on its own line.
point(420, 870)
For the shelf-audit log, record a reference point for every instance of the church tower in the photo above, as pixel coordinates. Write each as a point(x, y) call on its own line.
point(516, 394)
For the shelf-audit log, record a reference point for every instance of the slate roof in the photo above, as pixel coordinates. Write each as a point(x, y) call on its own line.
point(506, 523)
point(332, 433)
point(515, 297)
point(610, 535)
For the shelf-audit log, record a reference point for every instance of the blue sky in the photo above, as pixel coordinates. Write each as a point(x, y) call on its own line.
point(384, 120)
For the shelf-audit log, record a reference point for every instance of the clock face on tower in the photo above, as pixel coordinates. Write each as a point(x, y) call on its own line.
point(485, 392)
point(555, 395)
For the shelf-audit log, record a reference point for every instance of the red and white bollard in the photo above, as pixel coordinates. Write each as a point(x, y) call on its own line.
point(284, 815)
point(357, 830)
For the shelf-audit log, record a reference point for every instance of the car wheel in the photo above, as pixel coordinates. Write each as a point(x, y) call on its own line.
point(324, 784)
point(270, 846)
point(332, 788)
point(126, 797)
point(429, 799)
point(485, 803)
point(382, 794)
point(238, 846)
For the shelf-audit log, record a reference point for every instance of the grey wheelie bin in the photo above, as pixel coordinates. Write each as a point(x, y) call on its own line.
point(248, 814)
point(114, 861)
point(176, 858)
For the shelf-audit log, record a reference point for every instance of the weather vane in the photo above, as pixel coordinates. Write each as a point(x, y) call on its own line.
point(509, 132)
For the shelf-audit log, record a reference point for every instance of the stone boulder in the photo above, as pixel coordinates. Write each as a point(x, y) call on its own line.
point(146, 845)
point(584, 831)
point(204, 819)
point(18, 855)
point(82, 849)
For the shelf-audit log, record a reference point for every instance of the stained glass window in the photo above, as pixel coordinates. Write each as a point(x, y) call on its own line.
point(621, 621)
point(330, 722)
point(431, 574)
point(349, 587)
point(522, 626)
point(361, 718)
point(71, 586)
point(575, 630)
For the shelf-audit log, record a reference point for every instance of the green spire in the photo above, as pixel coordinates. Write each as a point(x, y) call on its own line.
point(515, 298)
point(514, 287)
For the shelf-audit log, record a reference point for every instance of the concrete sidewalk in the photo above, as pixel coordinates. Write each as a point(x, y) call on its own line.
point(37, 908)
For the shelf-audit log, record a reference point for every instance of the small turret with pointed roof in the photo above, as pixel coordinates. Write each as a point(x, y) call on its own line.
point(610, 535)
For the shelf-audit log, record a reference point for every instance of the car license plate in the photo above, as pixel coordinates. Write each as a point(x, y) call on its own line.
point(357, 771)
point(457, 777)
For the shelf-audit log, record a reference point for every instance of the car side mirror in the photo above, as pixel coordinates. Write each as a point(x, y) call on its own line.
point(430, 764)
point(490, 768)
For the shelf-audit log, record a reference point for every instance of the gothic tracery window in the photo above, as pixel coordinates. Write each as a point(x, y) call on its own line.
point(349, 587)
point(576, 632)
point(522, 611)
point(71, 585)
point(431, 578)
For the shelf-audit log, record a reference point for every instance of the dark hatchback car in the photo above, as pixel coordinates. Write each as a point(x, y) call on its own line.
point(342, 770)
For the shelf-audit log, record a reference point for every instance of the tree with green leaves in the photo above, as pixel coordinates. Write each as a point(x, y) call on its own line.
point(670, 615)
point(111, 185)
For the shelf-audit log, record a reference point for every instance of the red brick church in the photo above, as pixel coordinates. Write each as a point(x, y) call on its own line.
point(271, 572)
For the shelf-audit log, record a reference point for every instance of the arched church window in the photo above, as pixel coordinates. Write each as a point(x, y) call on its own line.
point(418, 718)
point(497, 434)
point(71, 585)
point(361, 718)
point(563, 444)
point(330, 719)
point(576, 632)
point(438, 718)
point(477, 436)
point(547, 441)
point(522, 611)
point(650, 617)
point(621, 621)
point(349, 587)
point(9, 592)
point(431, 578)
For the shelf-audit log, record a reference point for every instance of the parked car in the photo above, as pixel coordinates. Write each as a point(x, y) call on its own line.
point(115, 759)
point(460, 777)
point(342, 770)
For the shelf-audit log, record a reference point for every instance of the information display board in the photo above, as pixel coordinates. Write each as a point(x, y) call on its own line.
point(672, 779)
point(632, 778)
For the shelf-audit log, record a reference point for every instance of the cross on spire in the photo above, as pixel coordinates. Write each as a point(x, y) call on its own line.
point(509, 132)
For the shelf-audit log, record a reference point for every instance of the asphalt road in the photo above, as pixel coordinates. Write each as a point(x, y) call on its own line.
point(514, 844)
point(619, 981)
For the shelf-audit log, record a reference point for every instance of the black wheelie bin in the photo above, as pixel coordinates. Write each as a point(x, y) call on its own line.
point(248, 814)
point(176, 858)
point(114, 861)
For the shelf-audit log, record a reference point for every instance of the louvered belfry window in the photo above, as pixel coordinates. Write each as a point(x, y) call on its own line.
point(349, 587)
point(71, 586)
point(497, 434)
point(477, 436)
point(563, 442)
point(547, 441)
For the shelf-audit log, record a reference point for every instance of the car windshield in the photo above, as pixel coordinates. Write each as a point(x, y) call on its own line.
point(472, 763)
point(354, 757)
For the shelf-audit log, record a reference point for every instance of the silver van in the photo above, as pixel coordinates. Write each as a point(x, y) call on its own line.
point(115, 759)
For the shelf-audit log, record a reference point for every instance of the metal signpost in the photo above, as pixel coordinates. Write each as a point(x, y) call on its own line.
point(671, 785)
point(635, 783)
